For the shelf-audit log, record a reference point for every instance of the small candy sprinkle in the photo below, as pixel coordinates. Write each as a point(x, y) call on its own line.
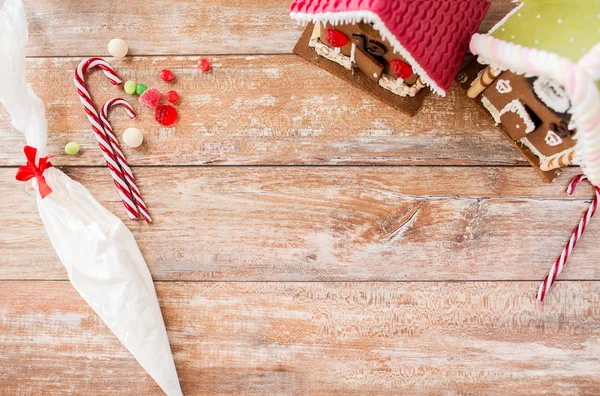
point(133, 137)
point(72, 148)
point(130, 87)
point(118, 48)
point(204, 65)
point(165, 115)
point(172, 96)
point(150, 98)
point(166, 75)
point(140, 89)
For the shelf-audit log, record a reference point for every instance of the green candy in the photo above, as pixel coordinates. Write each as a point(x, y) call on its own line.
point(130, 87)
point(140, 89)
point(72, 148)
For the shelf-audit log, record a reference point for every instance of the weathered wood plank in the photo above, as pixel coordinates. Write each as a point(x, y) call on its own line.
point(261, 110)
point(315, 339)
point(355, 223)
point(66, 28)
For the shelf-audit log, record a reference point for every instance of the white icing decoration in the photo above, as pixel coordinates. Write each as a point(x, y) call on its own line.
point(329, 53)
point(397, 86)
point(503, 86)
point(517, 107)
point(491, 108)
point(462, 77)
point(552, 139)
point(552, 94)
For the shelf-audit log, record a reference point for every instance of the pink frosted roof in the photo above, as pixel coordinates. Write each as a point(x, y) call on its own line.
point(433, 36)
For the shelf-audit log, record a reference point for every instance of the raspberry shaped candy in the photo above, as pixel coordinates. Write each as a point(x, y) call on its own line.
point(336, 38)
point(401, 69)
point(166, 75)
point(172, 96)
point(204, 65)
point(150, 98)
point(165, 115)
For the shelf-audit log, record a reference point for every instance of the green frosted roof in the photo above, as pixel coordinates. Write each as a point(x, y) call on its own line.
point(567, 28)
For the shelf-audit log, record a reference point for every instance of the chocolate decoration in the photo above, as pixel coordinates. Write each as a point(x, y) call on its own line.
point(360, 40)
point(376, 48)
point(561, 129)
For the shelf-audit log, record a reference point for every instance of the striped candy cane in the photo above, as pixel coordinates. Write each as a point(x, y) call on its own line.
point(562, 259)
point(137, 196)
point(92, 115)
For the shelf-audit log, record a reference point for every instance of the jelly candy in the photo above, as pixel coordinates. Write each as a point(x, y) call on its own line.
point(172, 96)
point(165, 115)
point(150, 98)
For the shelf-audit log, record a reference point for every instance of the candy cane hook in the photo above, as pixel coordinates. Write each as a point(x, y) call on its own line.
point(558, 265)
point(137, 196)
point(92, 115)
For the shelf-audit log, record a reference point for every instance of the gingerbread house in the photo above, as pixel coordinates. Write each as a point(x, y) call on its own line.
point(537, 76)
point(389, 48)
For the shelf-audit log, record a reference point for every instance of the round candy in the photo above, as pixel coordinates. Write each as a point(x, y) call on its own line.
point(133, 137)
point(204, 65)
point(140, 89)
point(118, 48)
point(165, 115)
point(72, 148)
point(166, 75)
point(172, 96)
point(130, 87)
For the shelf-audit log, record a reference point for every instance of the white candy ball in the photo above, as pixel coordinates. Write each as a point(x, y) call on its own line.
point(118, 48)
point(133, 137)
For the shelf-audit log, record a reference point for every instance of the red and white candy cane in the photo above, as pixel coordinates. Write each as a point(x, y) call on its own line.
point(562, 259)
point(92, 115)
point(137, 196)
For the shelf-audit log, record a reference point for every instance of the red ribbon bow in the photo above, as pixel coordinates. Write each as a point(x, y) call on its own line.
point(30, 170)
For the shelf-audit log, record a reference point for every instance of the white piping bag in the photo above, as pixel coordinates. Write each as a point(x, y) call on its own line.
point(102, 259)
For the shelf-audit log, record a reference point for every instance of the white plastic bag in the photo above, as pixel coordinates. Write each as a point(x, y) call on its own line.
point(100, 254)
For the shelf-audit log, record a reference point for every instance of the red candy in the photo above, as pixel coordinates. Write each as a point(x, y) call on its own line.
point(150, 98)
point(204, 65)
point(401, 69)
point(166, 75)
point(172, 96)
point(336, 38)
point(165, 115)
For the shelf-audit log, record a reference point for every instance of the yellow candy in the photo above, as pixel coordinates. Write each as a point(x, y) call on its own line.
point(130, 87)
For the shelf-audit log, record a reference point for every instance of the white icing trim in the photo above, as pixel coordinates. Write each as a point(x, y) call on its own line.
point(329, 53)
point(506, 17)
point(346, 17)
point(396, 85)
point(515, 106)
point(491, 108)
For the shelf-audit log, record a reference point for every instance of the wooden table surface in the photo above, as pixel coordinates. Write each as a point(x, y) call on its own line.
point(308, 239)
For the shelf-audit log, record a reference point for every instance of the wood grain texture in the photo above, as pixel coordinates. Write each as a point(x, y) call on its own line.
point(161, 27)
point(352, 223)
point(261, 110)
point(315, 339)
